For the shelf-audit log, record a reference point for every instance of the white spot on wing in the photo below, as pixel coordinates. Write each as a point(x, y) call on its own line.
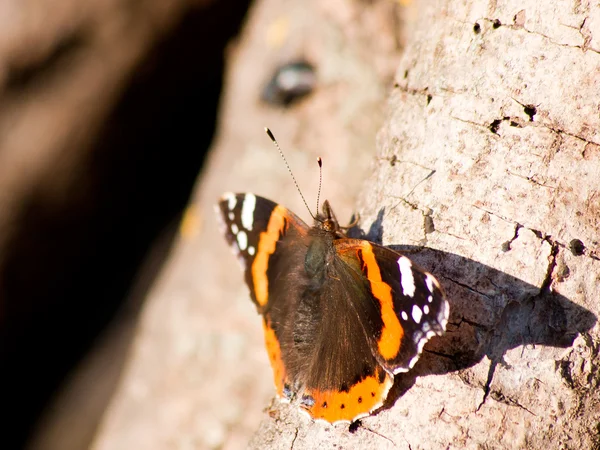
point(248, 211)
point(242, 240)
point(251, 251)
point(429, 282)
point(417, 314)
point(404, 315)
point(231, 200)
point(427, 331)
point(231, 216)
point(234, 228)
point(426, 309)
point(430, 298)
point(407, 279)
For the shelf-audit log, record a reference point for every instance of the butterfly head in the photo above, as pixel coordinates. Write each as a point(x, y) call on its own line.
point(327, 221)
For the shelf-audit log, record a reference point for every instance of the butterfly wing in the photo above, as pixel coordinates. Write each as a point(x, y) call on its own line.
point(376, 311)
point(256, 228)
point(410, 304)
point(269, 241)
point(342, 379)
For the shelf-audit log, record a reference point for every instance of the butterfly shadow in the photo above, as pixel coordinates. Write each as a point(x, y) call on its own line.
point(491, 313)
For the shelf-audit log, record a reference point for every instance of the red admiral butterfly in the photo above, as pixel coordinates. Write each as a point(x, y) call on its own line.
point(341, 316)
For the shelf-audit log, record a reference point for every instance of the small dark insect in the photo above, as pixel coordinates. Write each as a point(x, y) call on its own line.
point(354, 426)
point(577, 247)
point(289, 83)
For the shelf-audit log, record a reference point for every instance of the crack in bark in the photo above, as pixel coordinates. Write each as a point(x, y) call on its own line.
point(496, 23)
point(586, 34)
point(506, 246)
point(428, 226)
point(495, 214)
point(294, 440)
point(394, 160)
point(541, 235)
point(494, 125)
point(469, 322)
point(583, 47)
point(477, 124)
point(380, 435)
point(453, 235)
point(515, 122)
point(500, 397)
point(529, 109)
point(566, 133)
point(531, 179)
point(467, 287)
point(412, 206)
point(413, 91)
point(544, 288)
point(488, 383)
point(497, 395)
point(518, 122)
point(427, 177)
point(554, 247)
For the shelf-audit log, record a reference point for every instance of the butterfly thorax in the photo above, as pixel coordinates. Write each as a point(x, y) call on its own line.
point(321, 252)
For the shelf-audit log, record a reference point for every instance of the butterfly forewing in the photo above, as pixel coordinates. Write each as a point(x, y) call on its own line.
point(254, 228)
point(411, 304)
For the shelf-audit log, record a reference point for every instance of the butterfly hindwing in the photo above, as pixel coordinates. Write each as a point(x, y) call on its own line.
point(341, 377)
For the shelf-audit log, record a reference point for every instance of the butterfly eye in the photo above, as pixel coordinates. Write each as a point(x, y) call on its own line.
point(328, 225)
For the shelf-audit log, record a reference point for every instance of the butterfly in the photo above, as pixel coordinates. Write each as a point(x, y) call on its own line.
point(341, 316)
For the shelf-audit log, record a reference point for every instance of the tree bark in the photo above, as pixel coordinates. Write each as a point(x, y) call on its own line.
point(488, 174)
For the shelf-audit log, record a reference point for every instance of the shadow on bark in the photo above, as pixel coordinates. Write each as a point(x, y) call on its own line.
point(491, 313)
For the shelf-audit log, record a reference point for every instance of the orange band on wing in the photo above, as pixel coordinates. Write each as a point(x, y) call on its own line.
point(274, 352)
point(266, 246)
point(392, 332)
point(360, 400)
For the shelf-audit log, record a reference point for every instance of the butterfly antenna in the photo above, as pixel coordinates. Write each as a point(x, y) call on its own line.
point(290, 170)
point(320, 163)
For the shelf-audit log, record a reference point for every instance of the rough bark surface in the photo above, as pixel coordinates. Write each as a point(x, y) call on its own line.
point(492, 144)
point(487, 174)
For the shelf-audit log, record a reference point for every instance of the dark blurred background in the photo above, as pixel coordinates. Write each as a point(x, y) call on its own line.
point(105, 120)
